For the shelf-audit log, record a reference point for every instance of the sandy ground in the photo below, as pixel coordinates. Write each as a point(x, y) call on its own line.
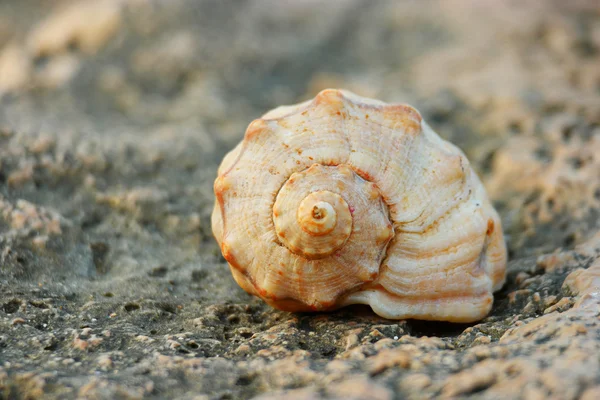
point(114, 116)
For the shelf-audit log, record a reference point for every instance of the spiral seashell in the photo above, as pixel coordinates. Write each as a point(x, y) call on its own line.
point(347, 200)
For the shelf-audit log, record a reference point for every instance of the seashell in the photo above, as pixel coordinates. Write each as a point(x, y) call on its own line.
point(347, 200)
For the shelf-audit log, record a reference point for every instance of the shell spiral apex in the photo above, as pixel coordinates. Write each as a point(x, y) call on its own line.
point(347, 200)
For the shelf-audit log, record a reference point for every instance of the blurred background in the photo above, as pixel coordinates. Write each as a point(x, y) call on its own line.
point(510, 82)
point(114, 115)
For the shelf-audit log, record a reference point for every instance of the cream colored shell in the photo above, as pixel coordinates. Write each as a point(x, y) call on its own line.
point(346, 200)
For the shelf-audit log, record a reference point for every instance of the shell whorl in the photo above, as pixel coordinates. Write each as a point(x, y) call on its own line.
point(344, 200)
point(321, 225)
point(312, 216)
point(318, 215)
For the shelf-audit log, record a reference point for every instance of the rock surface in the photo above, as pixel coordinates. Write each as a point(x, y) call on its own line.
point(111, 286)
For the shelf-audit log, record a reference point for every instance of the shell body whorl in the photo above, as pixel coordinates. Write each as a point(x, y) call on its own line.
point(346, 200)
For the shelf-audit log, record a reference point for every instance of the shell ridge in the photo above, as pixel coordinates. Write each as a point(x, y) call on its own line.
point(405, 279)
point(382, 164)
point(407, 283)
point(412, 144)
point(408, 280)
point(454, 249)
point(453, 285)
point(418, 238)
point(300, 287)
point(219, 193)
point(458, 201)
point(431, 207)
point(242, 228)
point(344, 128)
point(285, 111)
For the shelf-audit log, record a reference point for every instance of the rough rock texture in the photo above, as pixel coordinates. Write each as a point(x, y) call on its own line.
point(111, 286)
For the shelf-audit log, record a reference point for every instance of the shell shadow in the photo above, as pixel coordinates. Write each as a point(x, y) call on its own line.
point(363, 314)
